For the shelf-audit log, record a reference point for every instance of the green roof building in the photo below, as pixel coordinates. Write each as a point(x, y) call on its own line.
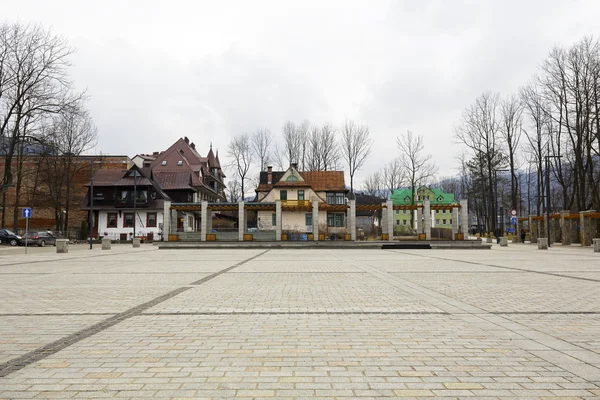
point(440, 218)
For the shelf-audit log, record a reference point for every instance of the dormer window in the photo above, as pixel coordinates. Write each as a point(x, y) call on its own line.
point(164, 162)
point(292, 178)
point(179, 162)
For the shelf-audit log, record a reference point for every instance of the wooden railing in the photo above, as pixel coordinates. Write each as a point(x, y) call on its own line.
point(296, 203)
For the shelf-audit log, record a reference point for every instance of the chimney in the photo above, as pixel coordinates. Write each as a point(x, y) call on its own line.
point(269, 174)
point(295, 166)
point(193, 146)
point(155, 153)
point(186, 140)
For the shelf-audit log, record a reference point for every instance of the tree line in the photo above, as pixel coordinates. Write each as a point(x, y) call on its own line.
point(312, 147)
point(551, 126)
point(41, 114)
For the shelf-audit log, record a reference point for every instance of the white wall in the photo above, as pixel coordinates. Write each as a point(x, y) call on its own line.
point(140, 227)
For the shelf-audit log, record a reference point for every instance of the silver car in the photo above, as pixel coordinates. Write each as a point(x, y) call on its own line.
point(40, 239)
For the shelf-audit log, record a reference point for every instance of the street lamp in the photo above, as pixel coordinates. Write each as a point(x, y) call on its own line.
point(496, 210)
point(547, 159)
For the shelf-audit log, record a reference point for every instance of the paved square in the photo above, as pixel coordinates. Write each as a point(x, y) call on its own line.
point(290, 324)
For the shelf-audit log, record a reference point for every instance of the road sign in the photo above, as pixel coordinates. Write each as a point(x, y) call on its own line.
point(513, 213)
point(26, 212)
point(513, 220)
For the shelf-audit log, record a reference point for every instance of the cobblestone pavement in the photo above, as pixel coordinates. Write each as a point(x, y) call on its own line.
point(291, 324)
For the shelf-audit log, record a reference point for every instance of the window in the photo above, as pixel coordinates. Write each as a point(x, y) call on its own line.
point(291, 178)
point(397, 211)
point(151, 220)
point(404, 222)
point(274, 219)
point(164, 162)
point(403, 211)
point(443, 211)
point(308, 219)
point(335, 219)
point(179, 162)
point(437, 211)
point(330, 198)
point(397, 222)
point(450, 222)
point(127, 220)
point(283, 195)
point(111, 220)
point(444, 221)
point(339, 198)
point(301, 195)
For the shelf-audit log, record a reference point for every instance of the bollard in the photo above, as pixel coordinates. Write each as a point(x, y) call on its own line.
point(503, 242)
point(136, 242)
point(542, 243)
point(488, 240)
point(596, 245)
point(62, 245)
point(105, 244)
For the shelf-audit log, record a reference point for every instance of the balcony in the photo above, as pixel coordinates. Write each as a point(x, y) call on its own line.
point(296, 205)
point(128, 203)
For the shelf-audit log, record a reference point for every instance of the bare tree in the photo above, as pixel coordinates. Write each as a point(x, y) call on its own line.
point(511, 111)
point(479, 131)
point(373, 184)
point(240, 150)
point(355, 146)
point(261, 142)
point(234, 191)
point(278, 155)
point(33, 80)
point(417, 167)
point(323, 152)
point(392, 175)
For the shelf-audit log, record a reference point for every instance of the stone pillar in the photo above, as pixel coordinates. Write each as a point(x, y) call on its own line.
point(565, 227)
point(315, 219)
point(464, 218)
point(241, 221)
point(278, 220)
point(503, 241)
point(517, 236)
point(106, 244)
point(383, 219)
point(204, 215)
point(533, 233)
point(454, 222)
point(427, 215)
point(596, 245)
point(352, 220)
point(135, 242)
point(586, 226)
point(389, 219)
point(556, 230)
point(542, 243)
point(166, 231)
point(419, 227)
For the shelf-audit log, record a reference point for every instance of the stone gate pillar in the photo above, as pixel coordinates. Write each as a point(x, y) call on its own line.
point(419, 223)
point(204, 216)
point(241, 221)
point(464, 218)
point(427, 215)
point(533, 232)
point(278, 220)
point(565, 226)
point(352, 220)
point(315, 219)
point(586, 226)
point(454, 222)
point(389, 219)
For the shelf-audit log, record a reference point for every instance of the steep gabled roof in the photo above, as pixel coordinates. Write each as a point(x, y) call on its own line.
point(319, 181)
point(176, 180)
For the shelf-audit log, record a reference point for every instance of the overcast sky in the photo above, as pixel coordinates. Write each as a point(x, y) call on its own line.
point(160, 70)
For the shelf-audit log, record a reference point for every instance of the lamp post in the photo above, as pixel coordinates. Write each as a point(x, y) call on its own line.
point(547, 159)
point(496, 210)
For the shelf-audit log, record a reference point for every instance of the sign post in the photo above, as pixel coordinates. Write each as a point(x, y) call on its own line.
point(26, 213)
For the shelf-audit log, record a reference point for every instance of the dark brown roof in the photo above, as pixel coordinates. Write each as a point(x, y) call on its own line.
point(107, 177)
point(176, 180)
point(319, 181)
point(128, 181)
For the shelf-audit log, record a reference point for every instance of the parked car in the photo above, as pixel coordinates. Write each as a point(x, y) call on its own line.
point(40, 239)
point(9, 237)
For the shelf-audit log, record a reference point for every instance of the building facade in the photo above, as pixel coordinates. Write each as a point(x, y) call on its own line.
point(440, 218)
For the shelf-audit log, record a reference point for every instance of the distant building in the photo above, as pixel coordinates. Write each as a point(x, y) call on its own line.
point(440, 218)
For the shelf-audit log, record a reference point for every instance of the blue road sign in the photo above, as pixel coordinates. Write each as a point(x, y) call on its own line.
point(513, 220)
point(26, 212)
